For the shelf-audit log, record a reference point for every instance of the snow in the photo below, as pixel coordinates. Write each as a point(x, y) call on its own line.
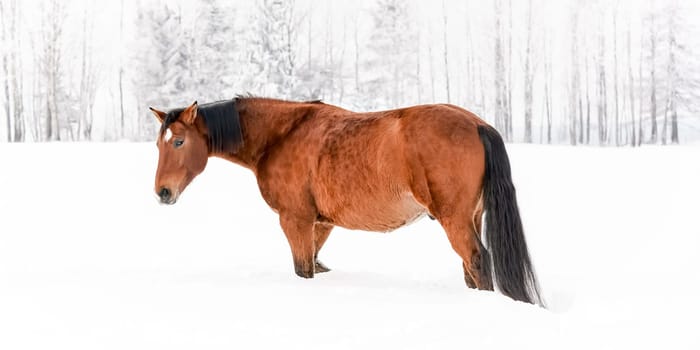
point(89, 260)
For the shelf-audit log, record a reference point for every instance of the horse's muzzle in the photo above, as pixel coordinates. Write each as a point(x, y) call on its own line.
point(166, 196)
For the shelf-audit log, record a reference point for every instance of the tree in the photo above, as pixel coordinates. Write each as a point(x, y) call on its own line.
point(272, 40)
point(120, 80)
point(6, 72)
point(529, 74)
point(214, 48)
point(575, 79)
point(88, 79)
point(681, 76)
point(162, 62)
point(547, 59)
point(630, 85)
point(444, 52)
point(11, 68)
point(388, 65)
point(52, 69)
point(601, 88)
point(616, 79)
point(652, 75)
point(501, 98)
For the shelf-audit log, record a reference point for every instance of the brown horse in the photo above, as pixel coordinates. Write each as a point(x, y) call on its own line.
point(320, 166)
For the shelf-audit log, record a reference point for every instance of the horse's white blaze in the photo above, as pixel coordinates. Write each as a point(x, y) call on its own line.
point(168, 135)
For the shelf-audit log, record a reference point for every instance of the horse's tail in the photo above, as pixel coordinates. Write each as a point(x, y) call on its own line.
point(503, 229)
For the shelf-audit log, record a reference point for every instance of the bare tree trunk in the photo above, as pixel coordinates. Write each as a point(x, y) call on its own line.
point(663, 126)
point(616, 79)
point(630, 83)
point(82, 120)
point(652, 67)
point(432, 71)
point(509, 75)
point(6, 73)
point(547, 58)
point(588, 100)
point(499, 73)
point(579, 93)
point(52, 32)
point(674, 124)
point(36, 103)
point(419, 86)
point(528, 76)
point(341, 63)
point(121, 70)
point(602, 94)
point(444, 52)
point(6, 92)
point(329, 56)
point(672, 75)
point(357, 59)
point(575, 77)
point(17, 76)
point(548, 104)
point(471, 75)
point(640, 135)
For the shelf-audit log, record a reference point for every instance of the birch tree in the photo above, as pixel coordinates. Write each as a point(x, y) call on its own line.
point(528, 74)
point(501, 98)
point(4, 56)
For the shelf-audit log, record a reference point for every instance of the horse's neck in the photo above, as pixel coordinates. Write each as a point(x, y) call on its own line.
point(264, 124)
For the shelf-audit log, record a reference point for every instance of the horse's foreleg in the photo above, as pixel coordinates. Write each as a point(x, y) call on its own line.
point(321, 232)
point(300, 236)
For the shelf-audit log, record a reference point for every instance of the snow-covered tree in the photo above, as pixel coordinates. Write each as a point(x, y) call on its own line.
point(271, 44)
point(389, 63)
point(50, 60)
point(162, 62)
point(214, 48)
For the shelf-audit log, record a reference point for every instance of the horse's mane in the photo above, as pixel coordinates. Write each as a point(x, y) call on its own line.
point(222, 121)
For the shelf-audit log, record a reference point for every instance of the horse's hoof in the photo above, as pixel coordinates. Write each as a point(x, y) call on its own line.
point(304, 274)
point(320, 268)
point(304, 270)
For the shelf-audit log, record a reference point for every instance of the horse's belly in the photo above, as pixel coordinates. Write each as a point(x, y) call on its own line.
point(373, 213)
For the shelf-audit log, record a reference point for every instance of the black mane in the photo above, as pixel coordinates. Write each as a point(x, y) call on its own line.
point(222, 121)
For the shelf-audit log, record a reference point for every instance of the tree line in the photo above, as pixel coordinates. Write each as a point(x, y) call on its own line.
point(576, 72)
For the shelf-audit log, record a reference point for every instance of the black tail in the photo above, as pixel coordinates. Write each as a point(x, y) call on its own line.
point(504, 231)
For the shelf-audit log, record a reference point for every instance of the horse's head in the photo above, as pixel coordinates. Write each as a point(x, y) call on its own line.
point(183, 151)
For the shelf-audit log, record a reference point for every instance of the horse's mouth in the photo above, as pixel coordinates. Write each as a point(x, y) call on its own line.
point(168, 202)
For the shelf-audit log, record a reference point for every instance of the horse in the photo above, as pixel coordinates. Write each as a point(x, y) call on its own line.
point(319, 166)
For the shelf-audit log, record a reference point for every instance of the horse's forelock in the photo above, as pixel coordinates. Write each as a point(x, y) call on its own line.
point(169, 119)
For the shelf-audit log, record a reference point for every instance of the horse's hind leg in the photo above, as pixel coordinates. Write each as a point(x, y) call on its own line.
point(475, 259)
point(321, 232)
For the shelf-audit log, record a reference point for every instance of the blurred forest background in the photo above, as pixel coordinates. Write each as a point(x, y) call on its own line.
point(542, 71)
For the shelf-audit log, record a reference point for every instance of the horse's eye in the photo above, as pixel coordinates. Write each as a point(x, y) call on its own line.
point(178, 143)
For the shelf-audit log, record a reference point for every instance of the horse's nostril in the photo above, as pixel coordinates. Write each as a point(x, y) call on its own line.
point(164, 194)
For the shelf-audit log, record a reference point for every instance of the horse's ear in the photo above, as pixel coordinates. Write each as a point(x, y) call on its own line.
point(159, 115)
point(189, 115)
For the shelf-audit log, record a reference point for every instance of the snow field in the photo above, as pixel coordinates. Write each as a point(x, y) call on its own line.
point(89, 260)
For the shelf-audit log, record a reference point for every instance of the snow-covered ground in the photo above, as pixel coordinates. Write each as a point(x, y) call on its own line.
point(89, 260)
